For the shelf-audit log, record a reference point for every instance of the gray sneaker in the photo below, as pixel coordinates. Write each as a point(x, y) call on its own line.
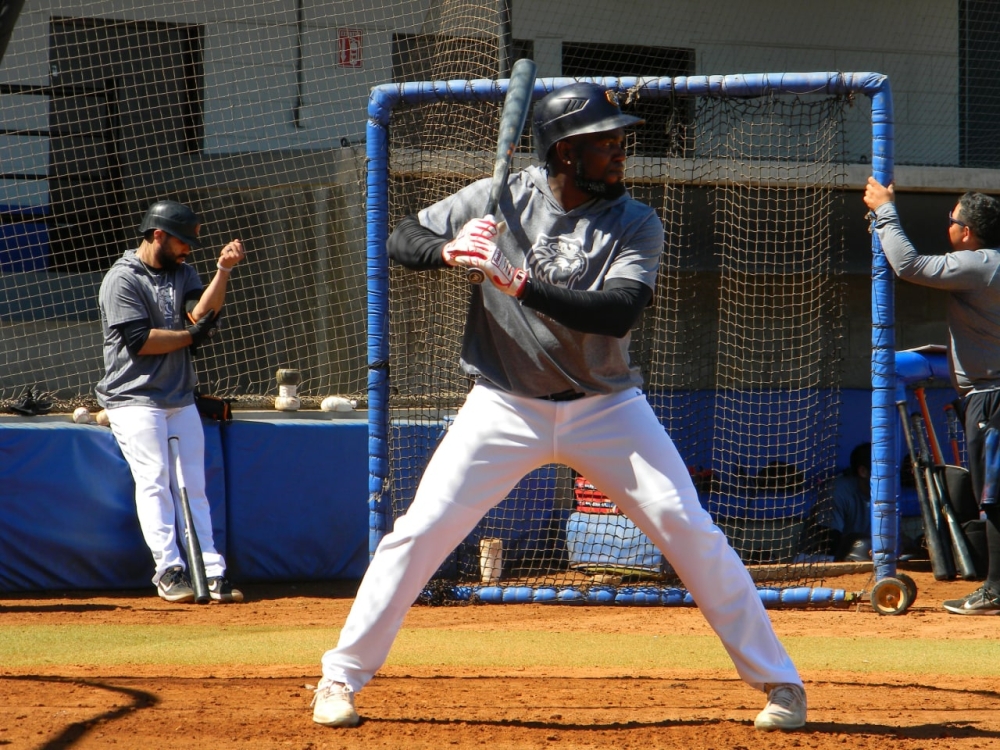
point(221, 590)
point(979, 602)
point(785, 709)
point(333, 705)
point(174, 585)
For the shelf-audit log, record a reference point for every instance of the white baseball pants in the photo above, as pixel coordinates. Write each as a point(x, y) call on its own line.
point(142, 433)
point(615, 441)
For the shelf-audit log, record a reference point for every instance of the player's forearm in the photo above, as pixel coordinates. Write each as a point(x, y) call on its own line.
point(213, 297)
point(613, 311)
point(415, 247)
point(164, 341)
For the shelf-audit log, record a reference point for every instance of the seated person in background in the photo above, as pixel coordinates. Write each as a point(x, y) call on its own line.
point(842, 528)
point(850, 519)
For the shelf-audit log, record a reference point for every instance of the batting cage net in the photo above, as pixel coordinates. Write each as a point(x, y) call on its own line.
point(259, 116)
point(254, 113)
point(742, 364)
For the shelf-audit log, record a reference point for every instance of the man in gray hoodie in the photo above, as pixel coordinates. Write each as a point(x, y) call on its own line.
point(969, 274)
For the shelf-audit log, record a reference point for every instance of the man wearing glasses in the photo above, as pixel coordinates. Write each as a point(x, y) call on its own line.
point(969, 273)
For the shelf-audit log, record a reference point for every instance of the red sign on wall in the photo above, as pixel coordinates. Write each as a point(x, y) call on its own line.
point(349, 48)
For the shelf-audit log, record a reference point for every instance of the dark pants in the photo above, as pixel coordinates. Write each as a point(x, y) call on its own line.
point(982, 410)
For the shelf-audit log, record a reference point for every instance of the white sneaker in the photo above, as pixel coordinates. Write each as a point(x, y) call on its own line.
point(333, 705)
point(785, 709)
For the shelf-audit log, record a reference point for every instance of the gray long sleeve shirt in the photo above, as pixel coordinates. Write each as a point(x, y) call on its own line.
point(973, 310)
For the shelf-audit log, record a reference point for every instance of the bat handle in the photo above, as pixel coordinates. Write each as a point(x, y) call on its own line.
point(173, 446)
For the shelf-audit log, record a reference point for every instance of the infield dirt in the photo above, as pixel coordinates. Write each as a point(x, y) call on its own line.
point(46, 705)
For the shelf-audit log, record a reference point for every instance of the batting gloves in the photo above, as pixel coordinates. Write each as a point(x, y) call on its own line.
point(202, 330)
point(503, 275)
point(473, 244)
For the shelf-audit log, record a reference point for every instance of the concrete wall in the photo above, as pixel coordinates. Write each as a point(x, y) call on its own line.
point(252, 85)
point(258, 60)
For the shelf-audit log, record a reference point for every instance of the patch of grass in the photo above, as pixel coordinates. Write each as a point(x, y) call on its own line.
point(102, 645)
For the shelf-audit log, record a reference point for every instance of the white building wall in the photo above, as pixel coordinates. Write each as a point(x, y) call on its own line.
point(252, 51)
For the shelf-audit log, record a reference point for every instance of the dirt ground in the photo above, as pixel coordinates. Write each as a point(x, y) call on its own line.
point(437, 707)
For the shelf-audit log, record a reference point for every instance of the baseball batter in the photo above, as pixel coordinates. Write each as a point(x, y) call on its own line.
point(547, 342)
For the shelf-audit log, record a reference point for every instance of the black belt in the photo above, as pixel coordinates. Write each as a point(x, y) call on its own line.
point(563, 396)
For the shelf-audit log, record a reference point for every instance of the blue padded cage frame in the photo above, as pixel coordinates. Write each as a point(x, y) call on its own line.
point(384, 98)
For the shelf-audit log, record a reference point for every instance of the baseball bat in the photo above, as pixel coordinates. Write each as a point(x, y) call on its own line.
point(512, 118)
point(196, 563)
point(935, 446)
point(952, 419)
point(964, 563)
point(931, 535)
point(933, 495)
point(962, 556)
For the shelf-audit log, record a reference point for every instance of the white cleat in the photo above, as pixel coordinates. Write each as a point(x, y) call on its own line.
point(333, 705)
point(785, 709)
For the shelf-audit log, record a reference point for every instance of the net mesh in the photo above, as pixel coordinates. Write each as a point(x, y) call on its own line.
point(254, 114)
point(132, 111)
point(740, 353)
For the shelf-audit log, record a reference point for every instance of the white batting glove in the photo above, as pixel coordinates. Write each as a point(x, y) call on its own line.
point(473, 244)
point(503, 275)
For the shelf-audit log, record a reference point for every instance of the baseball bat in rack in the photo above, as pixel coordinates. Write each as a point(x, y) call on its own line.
point(935, 446)
point(196, 563)
point(932, 536)
point(512, 118)
point(938, 495)
point(951, 417)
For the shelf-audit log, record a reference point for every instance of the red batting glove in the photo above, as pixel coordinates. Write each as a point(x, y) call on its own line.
point(473, 244)
point(503, 275)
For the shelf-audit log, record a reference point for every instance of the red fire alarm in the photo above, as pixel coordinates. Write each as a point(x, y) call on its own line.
point(349, 48)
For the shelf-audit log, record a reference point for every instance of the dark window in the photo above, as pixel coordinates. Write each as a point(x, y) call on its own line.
point(125, 109)
point(664, 131)
point(427, 57)
point(979, 83)
point(440, 57)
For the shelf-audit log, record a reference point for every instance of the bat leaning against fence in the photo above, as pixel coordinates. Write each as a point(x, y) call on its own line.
point(942, 566)
point(196, 563)
point(938, 494)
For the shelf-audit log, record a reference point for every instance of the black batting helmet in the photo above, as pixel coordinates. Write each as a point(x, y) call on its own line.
point(856, 548)
point(576, 109)
point(173, 218)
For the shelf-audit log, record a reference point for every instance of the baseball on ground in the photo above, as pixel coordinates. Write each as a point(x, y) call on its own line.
point(82, 416)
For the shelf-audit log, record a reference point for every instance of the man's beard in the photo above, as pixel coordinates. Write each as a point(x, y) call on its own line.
point(166, 260)
point(598, 188)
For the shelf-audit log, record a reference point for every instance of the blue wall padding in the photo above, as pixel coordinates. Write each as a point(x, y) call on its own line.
point(297, 499)
point(413, 442)
point(24, 246)
point(289, 499)
point(67, 509)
